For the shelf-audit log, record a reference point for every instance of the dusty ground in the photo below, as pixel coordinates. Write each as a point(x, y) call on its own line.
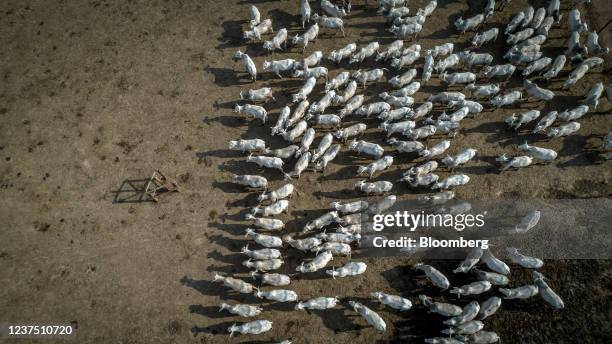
point(97, 93)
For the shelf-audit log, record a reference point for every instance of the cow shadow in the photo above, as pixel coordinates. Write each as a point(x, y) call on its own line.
point(213, 329)
point(209, 312)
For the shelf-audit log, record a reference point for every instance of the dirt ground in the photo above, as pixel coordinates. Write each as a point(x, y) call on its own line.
point(97, 93)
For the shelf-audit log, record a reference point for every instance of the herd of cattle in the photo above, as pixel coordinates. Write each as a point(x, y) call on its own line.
point(400, 117)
